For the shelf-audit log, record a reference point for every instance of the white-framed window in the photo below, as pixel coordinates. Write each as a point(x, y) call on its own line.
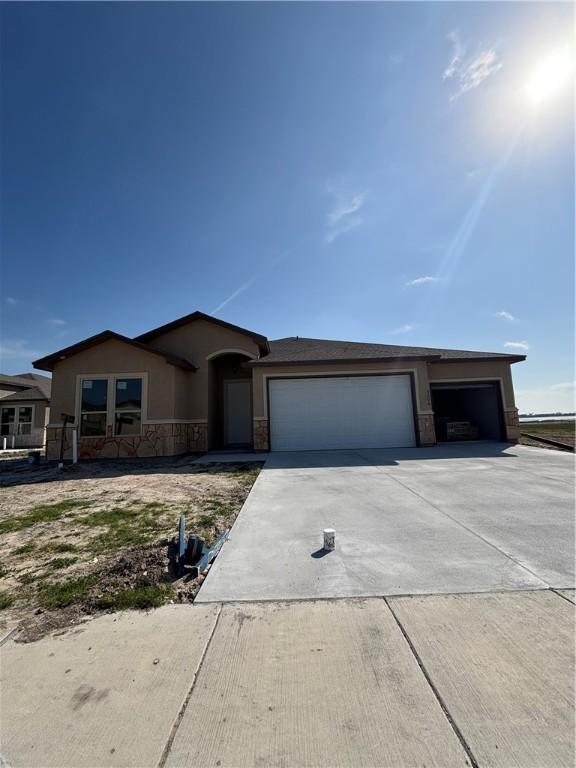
point(128, 406)
point(93, 407)
point(114, 401)
point(16, 420)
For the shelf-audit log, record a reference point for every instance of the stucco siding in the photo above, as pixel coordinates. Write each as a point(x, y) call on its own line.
point(108, 358)
point(476, 372)
point(196, 342)
point(260, 376)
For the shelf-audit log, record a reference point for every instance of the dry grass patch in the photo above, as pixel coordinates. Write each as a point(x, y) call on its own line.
point(97, 538)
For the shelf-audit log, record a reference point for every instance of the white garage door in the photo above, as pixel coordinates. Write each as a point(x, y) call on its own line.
point(341, 412)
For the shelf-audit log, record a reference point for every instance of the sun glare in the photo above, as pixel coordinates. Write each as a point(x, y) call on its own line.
point(549, 77)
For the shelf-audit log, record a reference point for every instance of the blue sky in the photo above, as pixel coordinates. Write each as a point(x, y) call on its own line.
point(372, 172)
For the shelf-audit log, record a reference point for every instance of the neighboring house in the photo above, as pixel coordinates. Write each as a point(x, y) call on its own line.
point(199, 383)
point(24, 409)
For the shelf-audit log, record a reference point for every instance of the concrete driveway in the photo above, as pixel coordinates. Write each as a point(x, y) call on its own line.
point(463, 518)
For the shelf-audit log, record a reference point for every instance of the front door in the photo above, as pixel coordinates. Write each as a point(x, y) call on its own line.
point(237, 412)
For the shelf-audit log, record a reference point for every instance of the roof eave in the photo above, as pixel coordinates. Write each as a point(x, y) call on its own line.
point(258, 339)
point(486, 359)
point(263, 363)
point(47, 363)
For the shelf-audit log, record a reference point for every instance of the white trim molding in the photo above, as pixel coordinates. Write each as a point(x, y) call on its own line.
point(110, 400)
point(231, 351)
point(330, 373)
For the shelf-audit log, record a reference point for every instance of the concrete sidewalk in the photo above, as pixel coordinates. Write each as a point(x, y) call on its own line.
point(451, 680)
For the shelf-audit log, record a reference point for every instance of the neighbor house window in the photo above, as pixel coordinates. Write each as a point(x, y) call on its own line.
point(93, 407)
point(25, 420)
point(16, 420)
point(128, 407)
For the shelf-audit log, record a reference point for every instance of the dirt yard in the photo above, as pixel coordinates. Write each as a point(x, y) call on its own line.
point(95, 537)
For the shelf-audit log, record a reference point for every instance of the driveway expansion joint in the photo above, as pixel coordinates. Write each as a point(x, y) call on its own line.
point(182, 710)
point(435, 691)
point(564, 597)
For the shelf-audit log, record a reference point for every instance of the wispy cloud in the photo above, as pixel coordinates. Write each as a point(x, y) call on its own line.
point(267, 267)
point(564, 385)
point(406, 328)
point(505, 315)
point(457, 54)
point(17, 349)
point(523, 345)
point(57, 321)
point(425, 280)
point(344, 213)
point(235, 294)
point(468, 72)
point(11, 301)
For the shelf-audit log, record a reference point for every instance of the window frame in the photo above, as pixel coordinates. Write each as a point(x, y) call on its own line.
point(16, 422)
point(127, 410)
point(111, 378)
point(99, 413)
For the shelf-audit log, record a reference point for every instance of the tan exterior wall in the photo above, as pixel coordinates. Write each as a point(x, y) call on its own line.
point(108, 358)
point(261, 374)
point(196, 342)
point(476, 371)
point(177, 407)
point(260, 401)
point(494, 370)
point(180, 404)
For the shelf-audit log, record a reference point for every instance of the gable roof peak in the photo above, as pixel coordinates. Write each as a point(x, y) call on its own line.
point(258, 338)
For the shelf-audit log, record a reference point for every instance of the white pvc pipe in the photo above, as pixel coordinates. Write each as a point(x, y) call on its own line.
point(4, 440)
point(74, 446)
point(329, 539)
point(13, 441)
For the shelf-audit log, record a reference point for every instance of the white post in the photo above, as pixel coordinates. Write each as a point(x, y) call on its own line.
point(4, 439)
point(329, 539)
point(13, 441)
point(74, 446)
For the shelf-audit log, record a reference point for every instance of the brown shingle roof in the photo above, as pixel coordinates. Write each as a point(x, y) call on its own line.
point(24, 381)
point(32, 393)
point(260, 340)
point(299, 351)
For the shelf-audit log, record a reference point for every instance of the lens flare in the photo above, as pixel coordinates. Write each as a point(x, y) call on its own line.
point(550, 76)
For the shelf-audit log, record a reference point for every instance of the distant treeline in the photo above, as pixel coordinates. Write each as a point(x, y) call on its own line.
point(542, 415)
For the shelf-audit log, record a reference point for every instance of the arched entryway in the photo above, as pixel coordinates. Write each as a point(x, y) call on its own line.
point(230, 407)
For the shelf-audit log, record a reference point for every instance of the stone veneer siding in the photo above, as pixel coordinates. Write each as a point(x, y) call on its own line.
point(426, 431)
point(260, 435)
point(512, 424)
point(156, 440)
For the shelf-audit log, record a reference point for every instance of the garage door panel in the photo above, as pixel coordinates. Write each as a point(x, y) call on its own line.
point(341, 412)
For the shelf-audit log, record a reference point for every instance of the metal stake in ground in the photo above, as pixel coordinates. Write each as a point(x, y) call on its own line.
point(181, 544)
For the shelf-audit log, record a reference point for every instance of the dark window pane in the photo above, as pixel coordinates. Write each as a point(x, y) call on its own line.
point(128, 394)
point(24, 429)
point(25, 415)
point(128, 423)
point(8, 415)
point(5, 429)
point(94, 394)
point(93, 425)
